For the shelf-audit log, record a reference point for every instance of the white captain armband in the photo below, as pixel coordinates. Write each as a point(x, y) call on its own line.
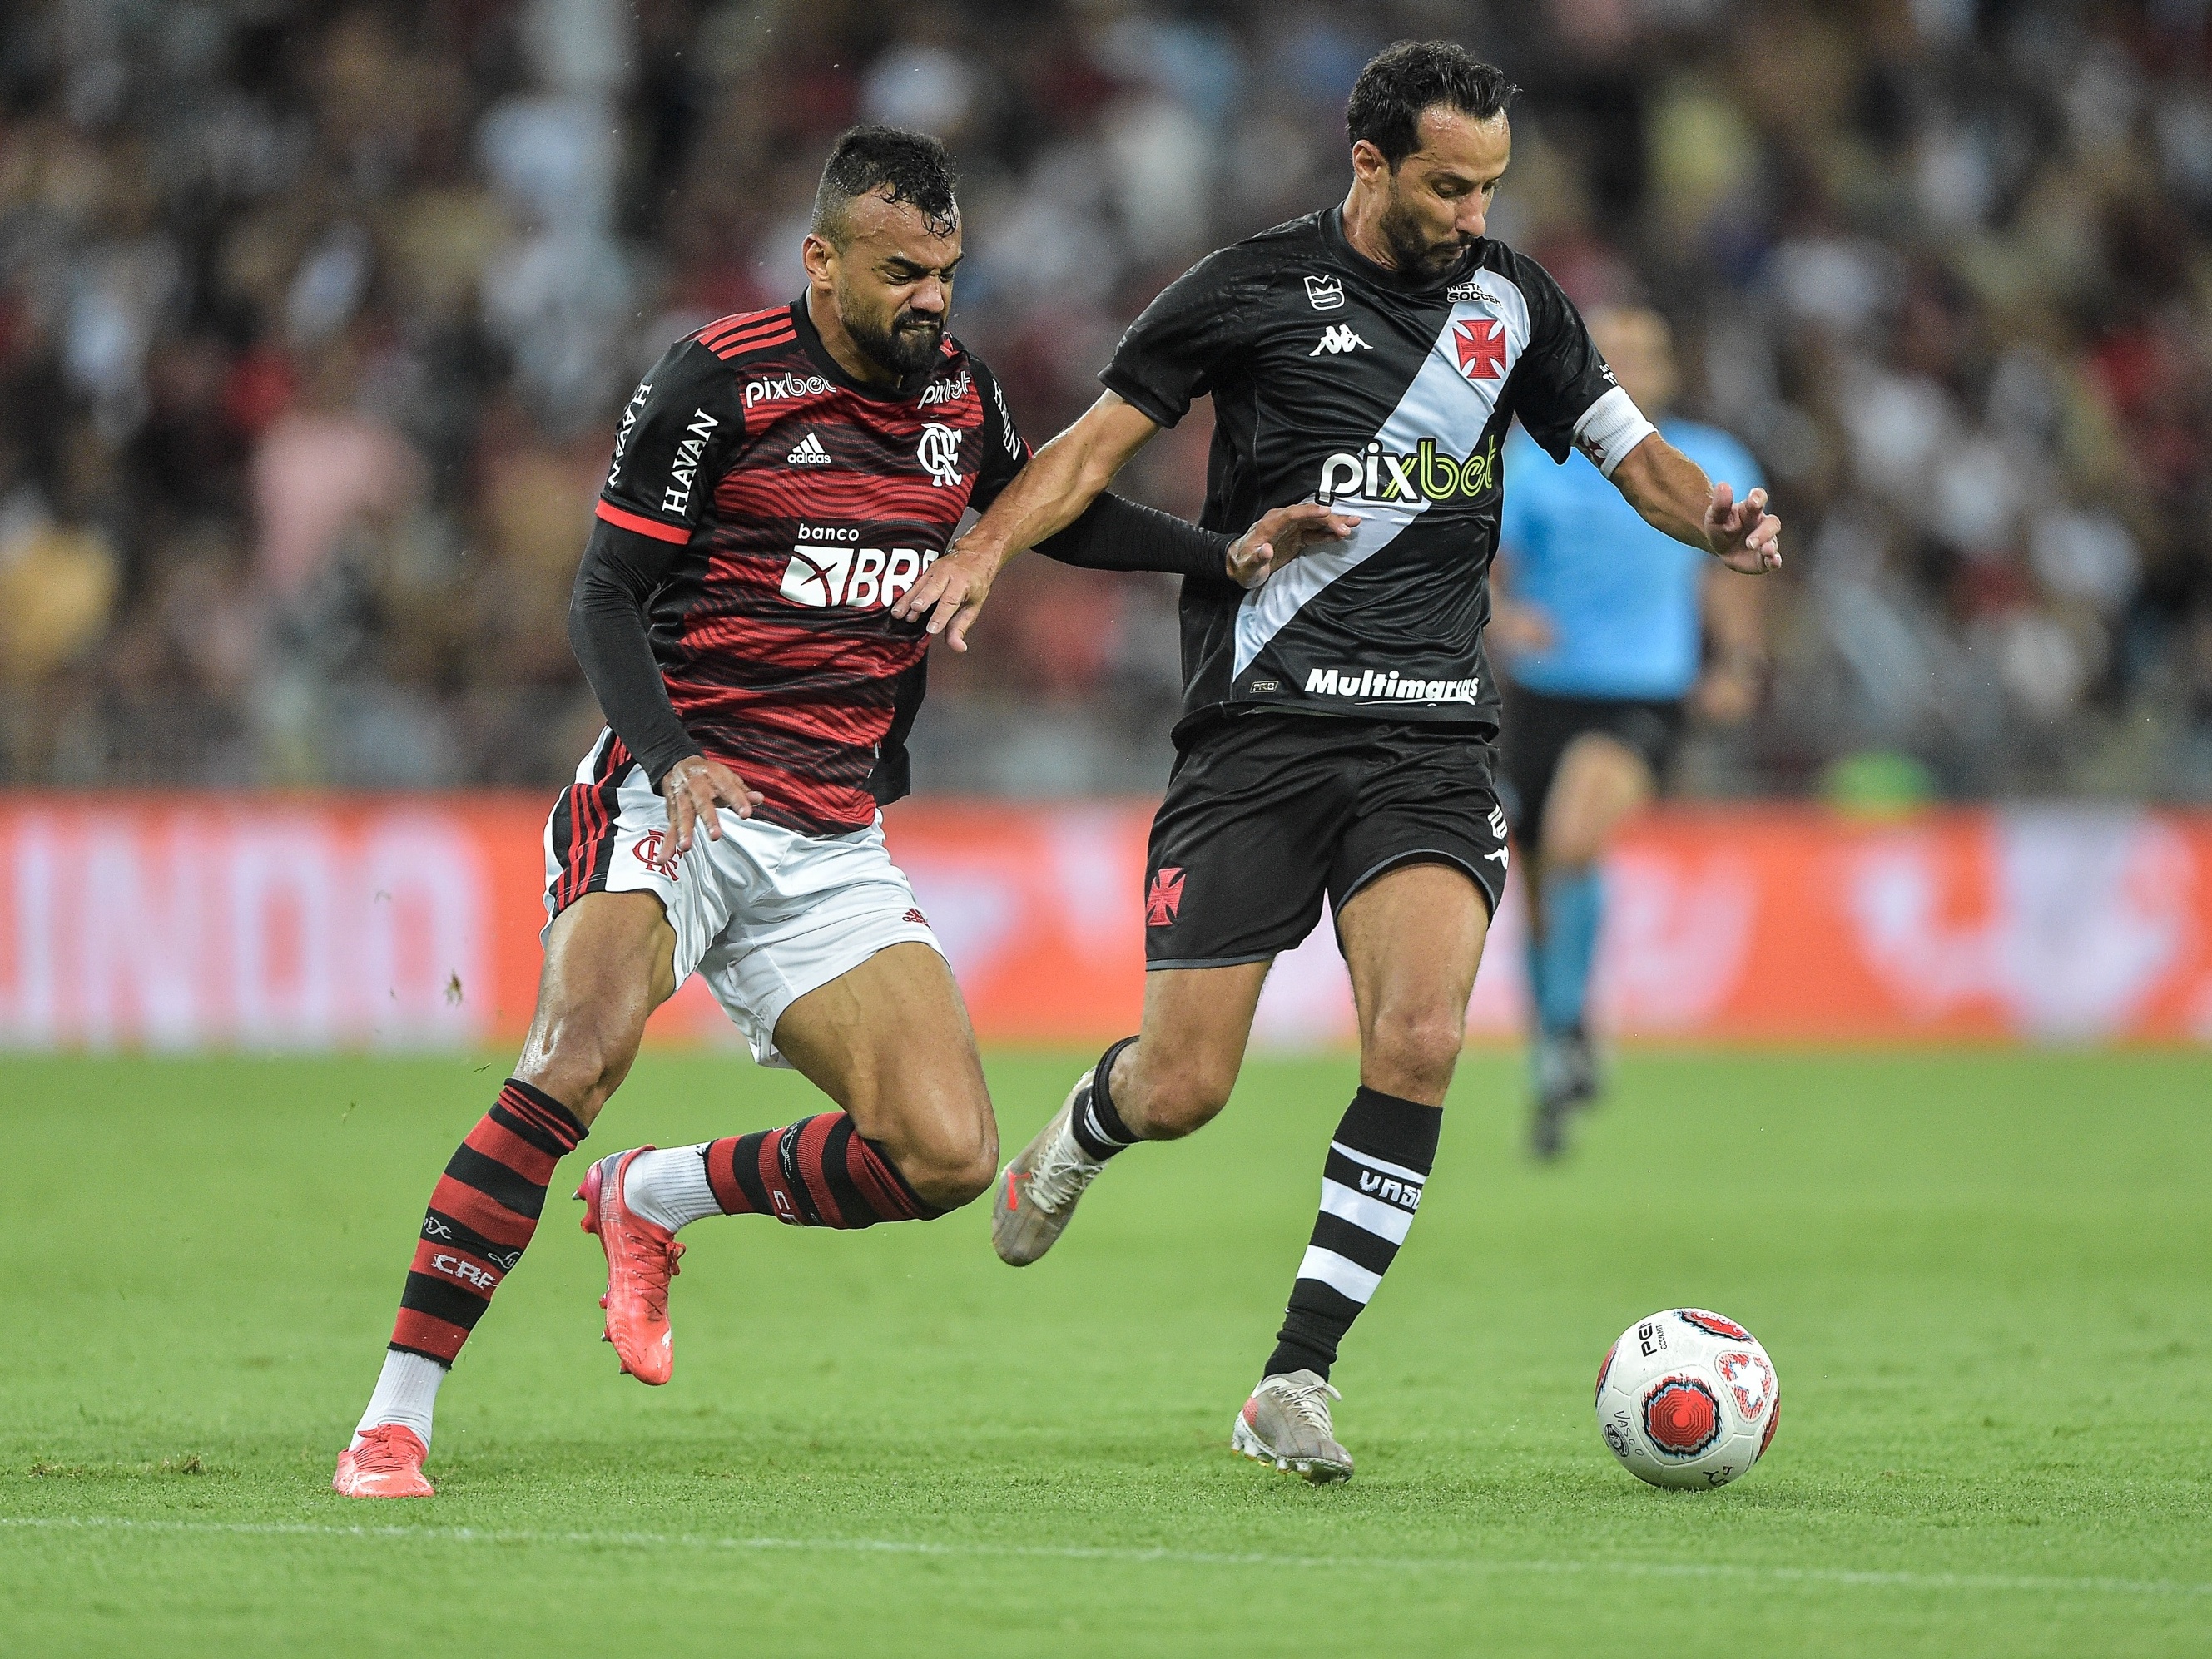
point(1609, 429)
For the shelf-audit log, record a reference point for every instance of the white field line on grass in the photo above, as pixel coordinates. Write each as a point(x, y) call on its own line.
point(1443, 1564)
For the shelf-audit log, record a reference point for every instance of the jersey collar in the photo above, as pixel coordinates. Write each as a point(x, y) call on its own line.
point(1333, 236)
point(810, 341)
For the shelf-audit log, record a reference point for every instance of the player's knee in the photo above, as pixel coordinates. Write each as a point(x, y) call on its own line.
point(1412, 1052)
point(951, 1164)
point(579, 1065)
point(1185, 1100)
point(947, 1179)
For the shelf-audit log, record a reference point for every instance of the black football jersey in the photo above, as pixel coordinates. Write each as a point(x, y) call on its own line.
point(1333, 378)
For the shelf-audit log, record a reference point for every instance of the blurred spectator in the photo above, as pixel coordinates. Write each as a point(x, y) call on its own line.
point(314, 320)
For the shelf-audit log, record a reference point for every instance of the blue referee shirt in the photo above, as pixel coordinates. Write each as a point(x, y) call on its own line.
point(1622, 597)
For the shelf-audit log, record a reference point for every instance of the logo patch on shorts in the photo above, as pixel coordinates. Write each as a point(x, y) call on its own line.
point(1165, 897)
point(914, 914)
point(647, 852)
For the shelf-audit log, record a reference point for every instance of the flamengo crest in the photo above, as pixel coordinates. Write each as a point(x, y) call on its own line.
point(939, 454)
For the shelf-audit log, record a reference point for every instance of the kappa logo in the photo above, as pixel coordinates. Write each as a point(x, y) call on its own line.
point(1164, 898)
point(810, 452)
point(1337, 339)
point(1325, 293)
point(1481, 346)
point(939, 454)
point(678, 496)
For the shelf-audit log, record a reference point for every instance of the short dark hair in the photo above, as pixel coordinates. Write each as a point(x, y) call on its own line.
point(1402, 80)
point(866, 158)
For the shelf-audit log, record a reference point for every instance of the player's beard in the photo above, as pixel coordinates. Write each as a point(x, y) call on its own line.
point(907, 342)
point(1411, 250)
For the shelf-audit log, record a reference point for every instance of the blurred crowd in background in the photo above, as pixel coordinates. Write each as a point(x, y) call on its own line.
point(314, 320)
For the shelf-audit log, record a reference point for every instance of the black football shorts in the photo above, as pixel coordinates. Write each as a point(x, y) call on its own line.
point(1538, 726)
point(1265, 812)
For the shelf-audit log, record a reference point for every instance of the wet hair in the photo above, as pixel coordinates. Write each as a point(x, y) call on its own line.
point(864, 159)
point(1401, 81)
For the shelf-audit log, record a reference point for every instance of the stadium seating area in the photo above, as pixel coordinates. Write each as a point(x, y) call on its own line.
point(313, 319)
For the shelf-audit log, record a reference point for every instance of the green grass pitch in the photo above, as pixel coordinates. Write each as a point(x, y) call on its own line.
point(1982, 1278)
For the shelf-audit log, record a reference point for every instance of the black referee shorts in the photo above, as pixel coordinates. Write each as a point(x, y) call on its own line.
point(1266, 811)
point(1538, 726)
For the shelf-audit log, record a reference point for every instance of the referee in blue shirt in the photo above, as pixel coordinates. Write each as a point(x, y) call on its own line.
point(1610, 629)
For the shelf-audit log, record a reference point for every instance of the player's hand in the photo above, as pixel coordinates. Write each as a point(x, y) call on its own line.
point(950, 592)
point(1281, 534)
point(1517, 627)
point(694, 788)
point(1743, 534)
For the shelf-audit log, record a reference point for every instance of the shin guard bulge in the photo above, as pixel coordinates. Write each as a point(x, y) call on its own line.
point(483, 1212)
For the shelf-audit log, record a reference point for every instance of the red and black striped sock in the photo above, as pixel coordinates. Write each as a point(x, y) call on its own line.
point(483, 1212)
point(817, 1172)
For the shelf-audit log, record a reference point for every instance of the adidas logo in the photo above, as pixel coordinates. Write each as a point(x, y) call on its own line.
point(811, 452)
point(1337, 339)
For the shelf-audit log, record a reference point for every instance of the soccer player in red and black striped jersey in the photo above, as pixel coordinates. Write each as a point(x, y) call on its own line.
point(778, 481)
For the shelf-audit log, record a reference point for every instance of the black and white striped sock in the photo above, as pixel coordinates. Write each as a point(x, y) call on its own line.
point(1369, 1189)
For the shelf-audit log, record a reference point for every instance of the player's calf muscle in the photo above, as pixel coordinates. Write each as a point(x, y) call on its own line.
point(890, 1042)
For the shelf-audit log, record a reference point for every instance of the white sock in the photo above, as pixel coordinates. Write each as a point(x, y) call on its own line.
point(406, 1393)
point(669, 1189)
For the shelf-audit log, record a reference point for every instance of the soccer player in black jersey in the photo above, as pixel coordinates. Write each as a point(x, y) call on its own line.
point(777, 481)
point(1340, 721)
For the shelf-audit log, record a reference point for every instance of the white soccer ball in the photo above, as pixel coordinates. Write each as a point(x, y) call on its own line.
point(1686, 1398)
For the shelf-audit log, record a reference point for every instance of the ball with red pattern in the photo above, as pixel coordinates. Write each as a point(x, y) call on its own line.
point(1688, 1399)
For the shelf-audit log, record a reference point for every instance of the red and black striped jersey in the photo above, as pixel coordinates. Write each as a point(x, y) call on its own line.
point(806, 503)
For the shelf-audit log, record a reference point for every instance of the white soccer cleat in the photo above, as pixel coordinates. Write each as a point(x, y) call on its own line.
point(1037, 1192)
point(1286, 1423)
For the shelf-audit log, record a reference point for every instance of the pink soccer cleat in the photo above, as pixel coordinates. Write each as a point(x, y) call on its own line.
point(642, 1259)
point(388, 1463)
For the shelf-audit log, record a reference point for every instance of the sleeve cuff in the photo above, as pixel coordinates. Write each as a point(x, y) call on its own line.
point(1609, 429)
point(1141, 398)
point(623, 519)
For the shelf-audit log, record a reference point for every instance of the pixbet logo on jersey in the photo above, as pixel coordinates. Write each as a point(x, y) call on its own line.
point(822, 573)
point(1429, 474)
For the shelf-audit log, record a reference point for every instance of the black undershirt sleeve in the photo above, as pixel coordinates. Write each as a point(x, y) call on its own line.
point(620, 572)
point(1114, 534)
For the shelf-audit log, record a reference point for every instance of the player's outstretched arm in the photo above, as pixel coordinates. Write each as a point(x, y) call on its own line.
point(1046, 496)
point(1114, 534)
point(1674, 495)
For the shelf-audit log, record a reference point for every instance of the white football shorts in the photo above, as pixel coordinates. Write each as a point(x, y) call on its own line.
point(765, 915)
